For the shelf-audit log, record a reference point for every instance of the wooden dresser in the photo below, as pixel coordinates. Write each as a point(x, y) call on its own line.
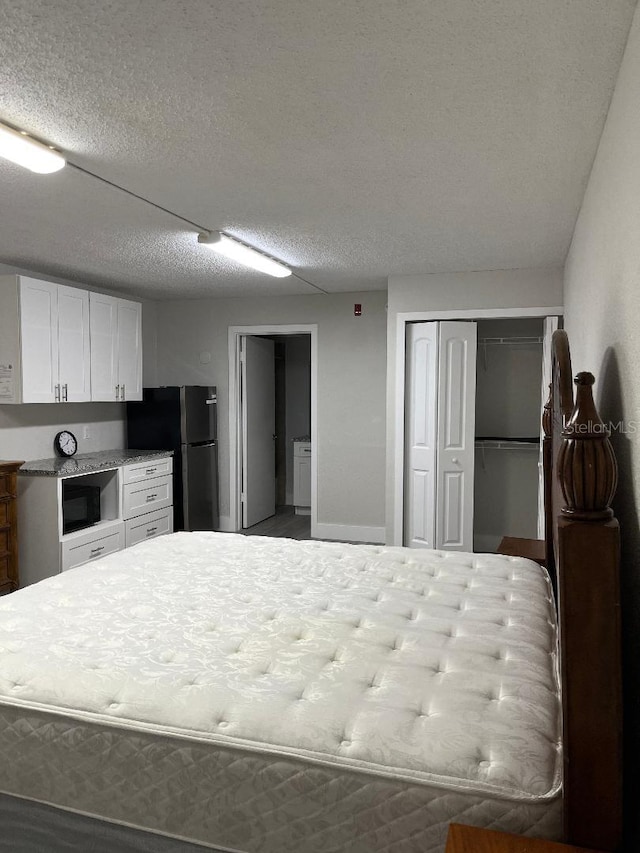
point(9, 579)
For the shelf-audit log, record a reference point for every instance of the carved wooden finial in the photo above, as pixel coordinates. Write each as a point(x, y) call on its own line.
point(546, 413)
point(587, 466)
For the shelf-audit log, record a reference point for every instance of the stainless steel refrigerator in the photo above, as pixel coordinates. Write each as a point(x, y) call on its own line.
point(182, 418)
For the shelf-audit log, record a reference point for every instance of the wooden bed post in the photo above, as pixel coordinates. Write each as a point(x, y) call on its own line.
point(587, 567)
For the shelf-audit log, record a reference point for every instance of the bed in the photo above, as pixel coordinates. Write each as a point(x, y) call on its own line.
point(214, 691)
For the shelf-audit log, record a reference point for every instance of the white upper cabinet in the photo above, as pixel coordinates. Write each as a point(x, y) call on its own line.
point(44, 342)
point(62, 344)
point(116, 348)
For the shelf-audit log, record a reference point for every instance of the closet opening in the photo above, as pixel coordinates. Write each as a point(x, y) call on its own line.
point(473, 396)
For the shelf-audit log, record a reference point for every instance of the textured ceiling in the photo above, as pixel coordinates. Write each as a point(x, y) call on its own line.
point(352, 139)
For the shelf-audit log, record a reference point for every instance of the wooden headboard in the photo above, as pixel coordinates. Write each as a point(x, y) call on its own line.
point(583, 552)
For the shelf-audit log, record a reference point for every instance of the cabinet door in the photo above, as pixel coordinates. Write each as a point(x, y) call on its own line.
point(39, 340)
point(104, 346)
point(130, 349)
point(74, 373)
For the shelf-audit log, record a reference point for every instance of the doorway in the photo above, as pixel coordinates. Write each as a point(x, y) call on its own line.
point(272, 402)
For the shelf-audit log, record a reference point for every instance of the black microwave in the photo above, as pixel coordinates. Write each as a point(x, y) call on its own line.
point(80, 506)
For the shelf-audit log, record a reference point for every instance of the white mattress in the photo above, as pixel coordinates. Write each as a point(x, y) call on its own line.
point(268, 695)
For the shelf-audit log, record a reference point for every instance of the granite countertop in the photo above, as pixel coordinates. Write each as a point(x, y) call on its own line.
point(84, 463)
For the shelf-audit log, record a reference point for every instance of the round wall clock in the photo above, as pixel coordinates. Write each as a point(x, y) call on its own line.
point(65, 443)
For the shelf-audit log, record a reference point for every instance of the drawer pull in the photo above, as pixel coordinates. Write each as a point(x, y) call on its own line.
point(151, 470)
point(95, 551)
point(151, 530)
point(152, 497)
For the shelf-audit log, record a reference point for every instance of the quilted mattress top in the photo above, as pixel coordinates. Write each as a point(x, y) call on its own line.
point(426, 666)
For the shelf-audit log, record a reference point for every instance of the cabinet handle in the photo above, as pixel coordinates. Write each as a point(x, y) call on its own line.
point(64, 389)
point(56, 394)
point(151, 530)
point(95, 551)
point(123, 392)
point(151, 470)
point(117, 392)
point(151, 497)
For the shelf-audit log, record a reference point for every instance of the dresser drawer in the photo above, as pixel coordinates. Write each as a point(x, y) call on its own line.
point(148, 526)
point(4, 485)
point(142, 471)
point(5, 540)
point(147, 496)
point(77, 552)
point(4, 512)
point(4, 569)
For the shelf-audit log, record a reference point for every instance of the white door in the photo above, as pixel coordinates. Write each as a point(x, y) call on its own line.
point(258, 429)
point(421, 435)
point(39, 340)
point(549, 327)
point(130, 349)
point(440, 435)
point(104, 346)
point(456, 435)
point(74, 370)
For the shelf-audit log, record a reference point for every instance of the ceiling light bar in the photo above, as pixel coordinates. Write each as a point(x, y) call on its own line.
point(28, 152)
point(243, 254)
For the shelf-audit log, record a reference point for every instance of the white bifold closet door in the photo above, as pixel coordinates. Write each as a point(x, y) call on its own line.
point(258, 429)
point(440, 435)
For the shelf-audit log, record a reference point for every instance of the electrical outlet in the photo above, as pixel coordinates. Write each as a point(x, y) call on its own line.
point(86, 432)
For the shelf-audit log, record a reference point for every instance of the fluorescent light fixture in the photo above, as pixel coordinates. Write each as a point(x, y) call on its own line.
point(28, 152)
point(243, 254)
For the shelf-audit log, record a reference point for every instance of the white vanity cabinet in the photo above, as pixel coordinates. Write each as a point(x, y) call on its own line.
point(116, 348)
point(302, 477)
point(44, 342)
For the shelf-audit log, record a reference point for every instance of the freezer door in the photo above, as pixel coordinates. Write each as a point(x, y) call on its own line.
point(198, 413)
point(200, 486)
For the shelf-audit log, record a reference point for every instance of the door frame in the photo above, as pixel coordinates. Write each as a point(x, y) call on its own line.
point(235, 414)
point(397, 515)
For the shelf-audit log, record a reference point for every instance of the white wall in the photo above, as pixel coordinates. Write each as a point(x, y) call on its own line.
point(351, 386)
point(525, 288)
point(602, 298)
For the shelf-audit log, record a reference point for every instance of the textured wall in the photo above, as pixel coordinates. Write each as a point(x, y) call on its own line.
point(602, 298)
point(351, 386)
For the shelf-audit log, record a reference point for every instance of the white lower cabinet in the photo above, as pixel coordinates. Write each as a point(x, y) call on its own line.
point(136, 503)
point(148, 526)
point(147, 500)
point(77, 550)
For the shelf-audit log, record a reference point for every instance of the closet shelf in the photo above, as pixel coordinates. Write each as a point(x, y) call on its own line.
point(511, 341)
point(504, 443)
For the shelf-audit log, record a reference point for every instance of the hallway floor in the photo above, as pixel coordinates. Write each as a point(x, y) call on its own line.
point(284, 523)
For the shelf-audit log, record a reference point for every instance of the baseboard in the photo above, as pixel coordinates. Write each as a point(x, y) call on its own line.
point(350, 533)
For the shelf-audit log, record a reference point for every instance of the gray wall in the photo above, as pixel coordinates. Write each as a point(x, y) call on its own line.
point(602, 297)
point(351, 386)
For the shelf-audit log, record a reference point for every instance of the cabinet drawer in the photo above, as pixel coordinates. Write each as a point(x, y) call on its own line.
point(4, 512)
point(76, 553)
point(5, 540)
point(142, 471)
point(149, 495)
point(148, 526)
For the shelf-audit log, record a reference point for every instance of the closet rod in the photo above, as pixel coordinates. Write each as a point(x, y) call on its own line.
point(511, 341)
